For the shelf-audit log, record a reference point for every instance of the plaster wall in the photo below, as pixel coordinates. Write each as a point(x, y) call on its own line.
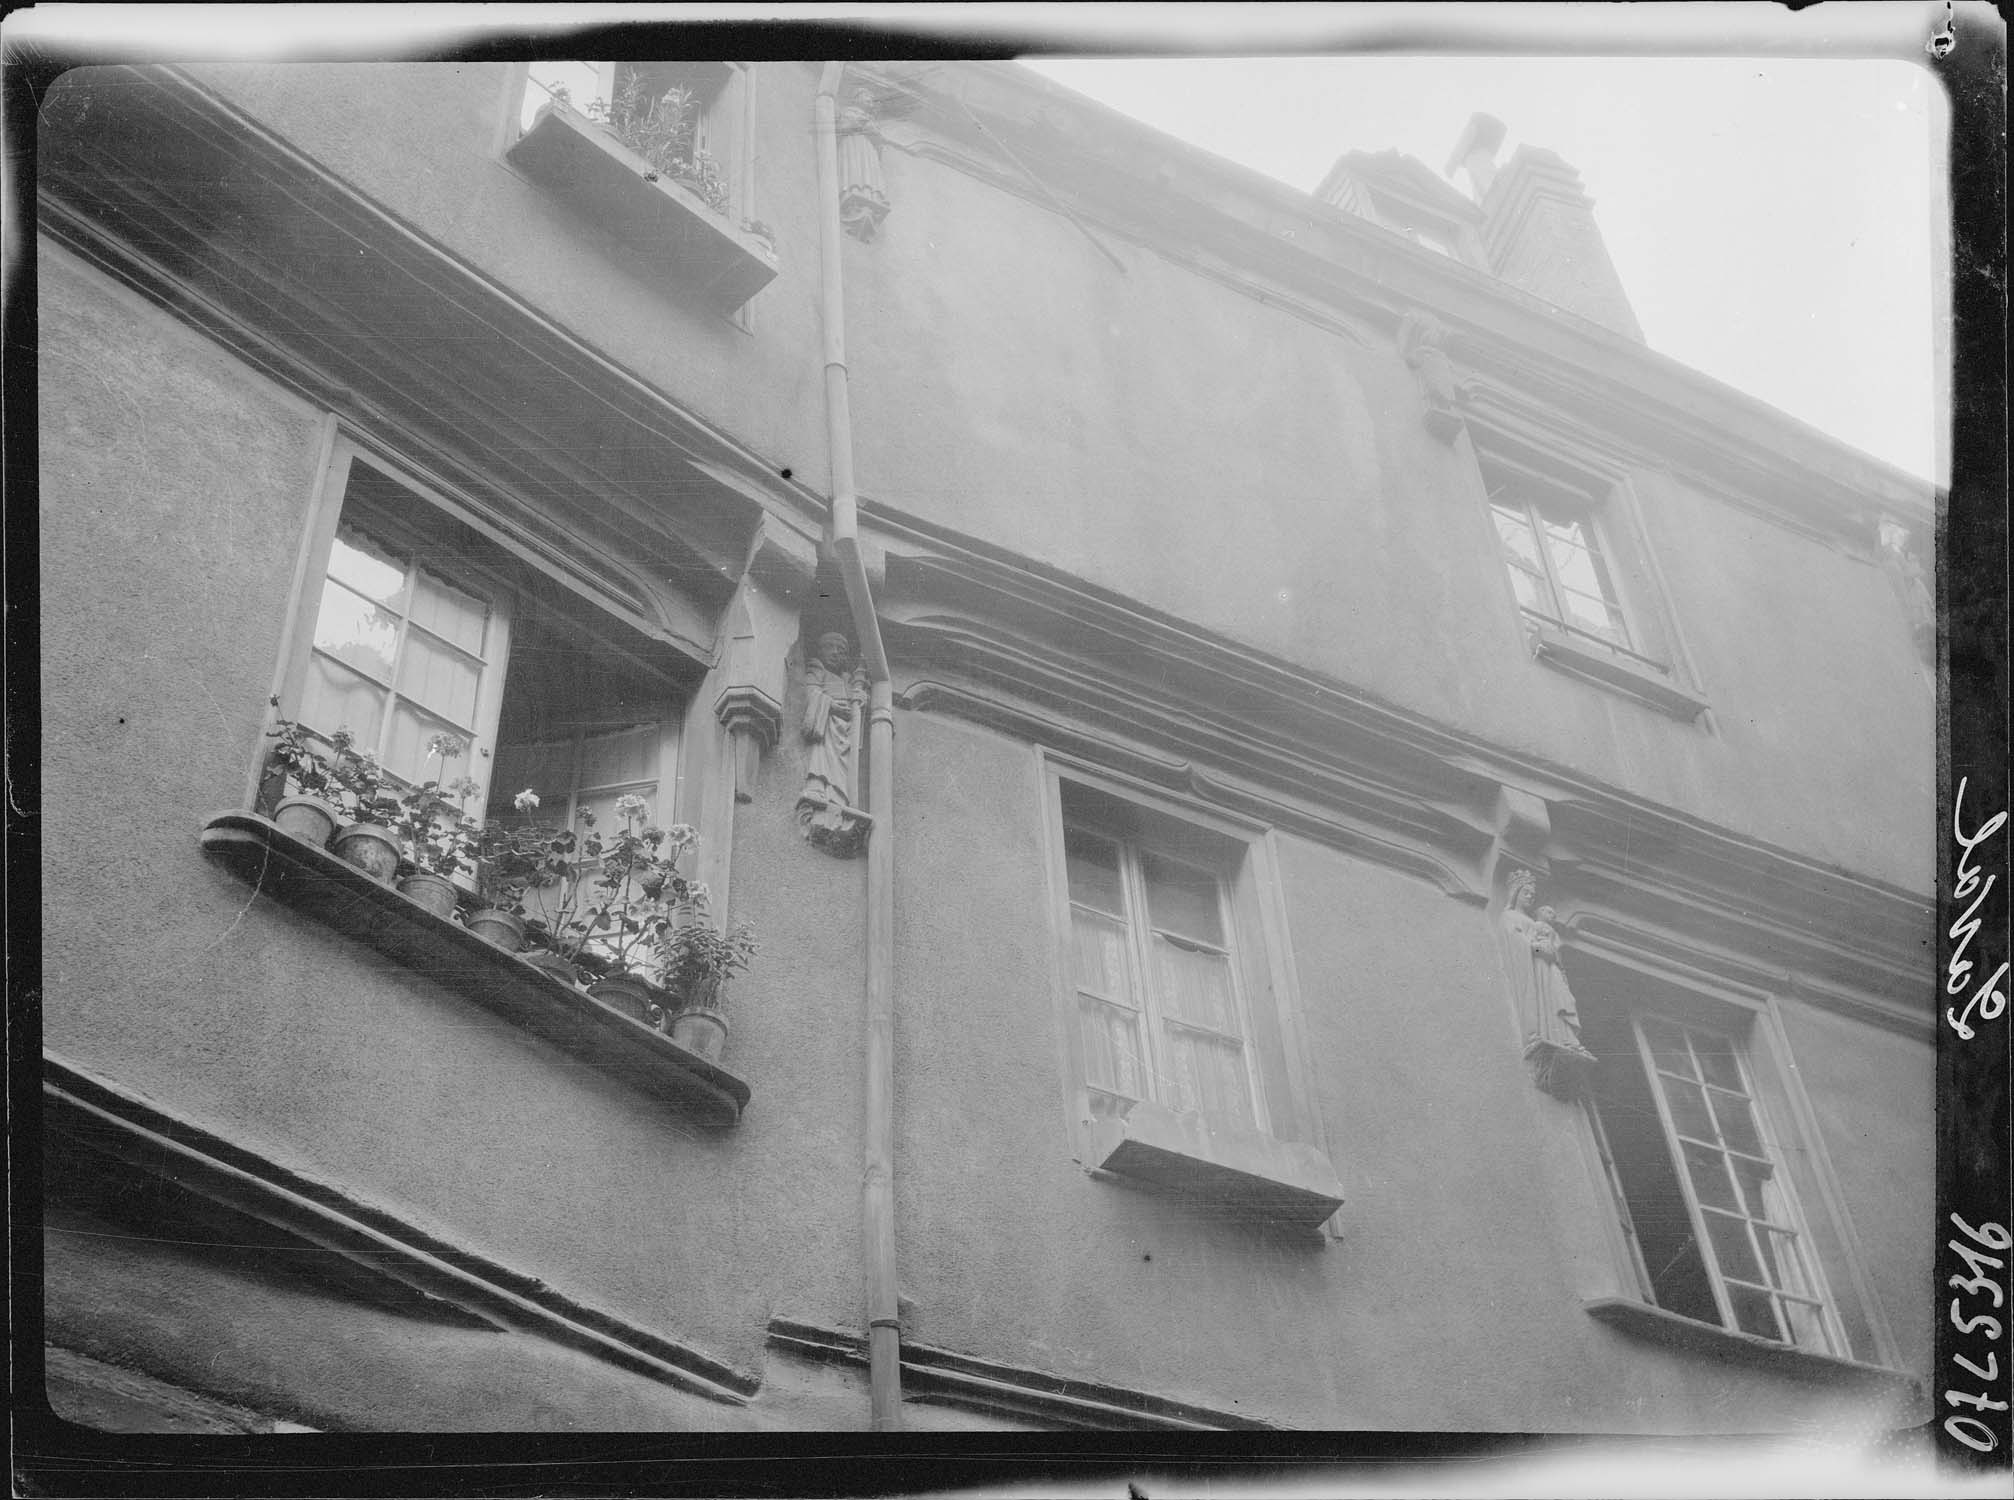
point(1152, 428)
point(1412, 1318)
point(1148, 428)
point(175, 486)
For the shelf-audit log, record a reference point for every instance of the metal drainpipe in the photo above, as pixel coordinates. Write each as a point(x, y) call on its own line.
point(877, 1185)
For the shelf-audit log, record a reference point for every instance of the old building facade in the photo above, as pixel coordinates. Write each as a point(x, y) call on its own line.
point(1335, 842)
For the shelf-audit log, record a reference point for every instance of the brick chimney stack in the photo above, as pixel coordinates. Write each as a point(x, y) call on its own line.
point(1539, 228)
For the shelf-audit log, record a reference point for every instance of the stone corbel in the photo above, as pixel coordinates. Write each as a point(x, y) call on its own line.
point(749, 682)
point(1423, 341)
point(863, 197)
point(1913, 582)
point(1523, 834)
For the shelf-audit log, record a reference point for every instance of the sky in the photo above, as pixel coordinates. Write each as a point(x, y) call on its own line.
point(1770, 218)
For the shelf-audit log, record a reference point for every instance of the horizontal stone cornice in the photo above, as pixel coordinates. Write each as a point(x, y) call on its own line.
point(1045, 657)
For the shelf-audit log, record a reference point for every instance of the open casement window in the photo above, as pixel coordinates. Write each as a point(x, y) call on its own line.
point(1701, 1183)
point(1555, 557)
point(424, 628)
point(1184, 1056)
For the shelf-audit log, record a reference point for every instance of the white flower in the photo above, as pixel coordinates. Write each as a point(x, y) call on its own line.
point(525, 800)
point(446, 746)
point(632, 806)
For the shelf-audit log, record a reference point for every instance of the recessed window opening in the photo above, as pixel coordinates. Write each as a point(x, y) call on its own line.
point(1706, 1200)
point(1159, 1002)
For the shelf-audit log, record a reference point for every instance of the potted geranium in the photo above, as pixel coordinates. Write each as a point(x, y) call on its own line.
point(512, 860)
point(696, 958)
point(367, 839)
point(617, 913)
point(664, 131)
point(437, 840)
point(300, 783)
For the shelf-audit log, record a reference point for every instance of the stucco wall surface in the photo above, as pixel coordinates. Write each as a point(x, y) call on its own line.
point(1453, 1297)
point(175, 486)
point(426, 140)
point(1160, 433)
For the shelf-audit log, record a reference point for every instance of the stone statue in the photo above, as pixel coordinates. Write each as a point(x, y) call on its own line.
point(1423, 342)
point(1559, 1061)
point(863, 198)
point(834, 707)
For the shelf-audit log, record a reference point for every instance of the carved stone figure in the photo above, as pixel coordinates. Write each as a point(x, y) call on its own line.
point(863, 198)
point(1423, 342)
point(1553, 1048)
point(834, 706)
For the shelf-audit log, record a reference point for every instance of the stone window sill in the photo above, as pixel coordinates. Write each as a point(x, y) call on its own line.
point(1241, 1172)
point(1586, 659)
point(608, 182)
point(326, 889)
point(1658, 1326)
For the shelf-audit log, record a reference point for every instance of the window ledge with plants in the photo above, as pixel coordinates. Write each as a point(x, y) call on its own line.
point(626, 967)
point(656, 197)
point(1660, 1326)
point(1245, 1173)
point(1596, 660)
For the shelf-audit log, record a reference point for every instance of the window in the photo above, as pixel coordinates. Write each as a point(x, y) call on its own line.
point(1555, 559)
point(423, 627)
point(1157, 990)
point(696, 132)
point(1703, 1191)
point(1579, 575)
point(1185, 1068)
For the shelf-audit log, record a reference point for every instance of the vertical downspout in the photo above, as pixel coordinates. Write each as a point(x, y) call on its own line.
point(877, 1184)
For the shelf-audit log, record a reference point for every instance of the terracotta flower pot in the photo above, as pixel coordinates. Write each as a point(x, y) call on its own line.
point(309, 819)
point(494, 925)
point(701, 1031)
point(372, 848)
point(636, 998)
point(553, 964)
point(435, 892)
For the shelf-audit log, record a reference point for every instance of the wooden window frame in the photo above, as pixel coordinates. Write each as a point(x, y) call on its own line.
point(1289, 1150)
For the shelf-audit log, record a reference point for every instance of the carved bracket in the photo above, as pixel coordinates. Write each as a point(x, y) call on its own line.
point(1559, 1063)
point(754, 721)
point(1902, 561)
point(1423, 341)
point(863, 196)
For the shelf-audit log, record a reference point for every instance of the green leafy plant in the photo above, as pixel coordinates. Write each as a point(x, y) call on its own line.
point(438, 835)
point(664, 131)
point(332, 768)
point(618, 910)
point(694, 954)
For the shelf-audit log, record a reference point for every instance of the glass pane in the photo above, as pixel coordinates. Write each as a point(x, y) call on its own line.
point(1667, 1047)
point(601, 803)
point(1688, 1109)
point(1182, 899)
point(439, 677)
point(580, 82)
point(375, 572)
point(545, 768)
point(1514, 531)
point(1094, 870)
point(1586, 612)
point(621, 755)
point(1758, 1189)
point(1731, 1247)
point(1208, 1076)
point(1709, 1178)
point(1783, 1259)
point(450, 612)
point(1111, 1048)
point(1807, 1325)
point(1531, 592)
point(406, 748)
point(1753, 1312)
point(1737, 1122)
point(1716, 1058)
point(336, 698)
point(1098, 956)
point(356, 631)
point(1195, 986)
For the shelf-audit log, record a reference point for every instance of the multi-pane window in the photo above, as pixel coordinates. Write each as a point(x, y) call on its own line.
point(1158, 1003)
point(587, 87)
point(1554, 555)
point(403, 652)
point(1705, 1197)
